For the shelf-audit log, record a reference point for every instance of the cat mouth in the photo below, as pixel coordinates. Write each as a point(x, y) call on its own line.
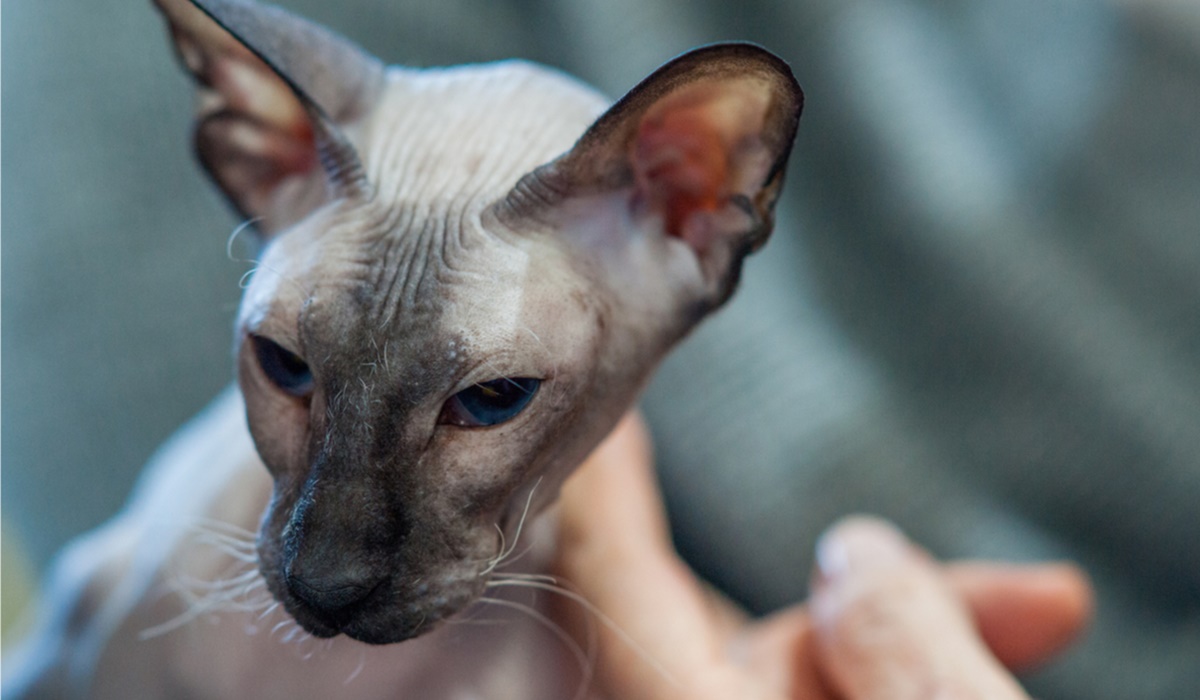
point(383, 617)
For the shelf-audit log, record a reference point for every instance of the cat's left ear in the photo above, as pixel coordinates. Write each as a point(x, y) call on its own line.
point(700, 147)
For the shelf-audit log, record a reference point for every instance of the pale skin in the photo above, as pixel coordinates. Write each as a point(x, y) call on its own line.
point(884, 619)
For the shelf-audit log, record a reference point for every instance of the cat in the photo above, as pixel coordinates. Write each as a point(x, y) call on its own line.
point(466, 277)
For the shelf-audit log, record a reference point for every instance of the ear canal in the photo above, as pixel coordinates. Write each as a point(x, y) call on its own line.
point(701, 146)
point(275, 90)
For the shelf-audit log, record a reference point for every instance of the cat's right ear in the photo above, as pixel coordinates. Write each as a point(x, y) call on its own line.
point(274, 93)
point(694, 154)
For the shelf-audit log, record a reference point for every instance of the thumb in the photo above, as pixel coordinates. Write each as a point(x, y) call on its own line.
point(889, 626)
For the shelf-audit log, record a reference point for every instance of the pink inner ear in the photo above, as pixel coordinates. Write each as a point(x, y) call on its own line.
point(696, 147)
point(277, 130)
point(681, 160)
point(253, 132)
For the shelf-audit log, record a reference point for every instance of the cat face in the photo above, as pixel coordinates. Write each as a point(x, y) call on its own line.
point(405, 431)
point(468, 275)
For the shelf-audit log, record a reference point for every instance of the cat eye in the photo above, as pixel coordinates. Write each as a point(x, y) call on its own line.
point(489, 403)
point(283, 367)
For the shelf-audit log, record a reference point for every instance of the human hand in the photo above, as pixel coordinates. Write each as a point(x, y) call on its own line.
point(884, 620)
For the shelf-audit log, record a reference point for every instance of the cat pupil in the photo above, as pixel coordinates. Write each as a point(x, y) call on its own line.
point(284, 368)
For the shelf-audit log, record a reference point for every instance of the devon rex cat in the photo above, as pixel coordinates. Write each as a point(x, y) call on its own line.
point(467, 276)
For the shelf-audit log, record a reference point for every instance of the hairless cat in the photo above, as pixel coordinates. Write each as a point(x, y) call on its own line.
point(466, 277)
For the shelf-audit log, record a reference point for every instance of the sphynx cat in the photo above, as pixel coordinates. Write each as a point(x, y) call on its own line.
point(466, 277)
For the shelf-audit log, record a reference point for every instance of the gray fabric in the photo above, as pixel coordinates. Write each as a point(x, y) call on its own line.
point(978, 316)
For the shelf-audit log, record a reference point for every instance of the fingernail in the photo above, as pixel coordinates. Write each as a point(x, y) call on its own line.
point(859, 545)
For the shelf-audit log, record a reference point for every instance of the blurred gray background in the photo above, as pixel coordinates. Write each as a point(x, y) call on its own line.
point(980, 314)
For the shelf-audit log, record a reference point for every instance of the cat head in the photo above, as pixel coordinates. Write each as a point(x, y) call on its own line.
point(467, 275)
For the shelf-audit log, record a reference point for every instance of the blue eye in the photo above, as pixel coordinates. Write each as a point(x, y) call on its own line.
point(284, 368)
point(489, 403)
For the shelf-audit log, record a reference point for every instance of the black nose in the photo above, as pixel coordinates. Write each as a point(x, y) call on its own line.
point(329, 594)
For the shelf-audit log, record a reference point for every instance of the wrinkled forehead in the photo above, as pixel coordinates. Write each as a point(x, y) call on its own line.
point(413, 268)
point(431, 305)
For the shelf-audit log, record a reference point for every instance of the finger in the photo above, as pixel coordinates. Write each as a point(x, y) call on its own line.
point(613, 499)
point(780, 650)
point(660, 636)
point(1025, 614)
point(888, 625)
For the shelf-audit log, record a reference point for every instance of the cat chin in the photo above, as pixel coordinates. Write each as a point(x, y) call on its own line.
point(369, 632)
point(369, 628)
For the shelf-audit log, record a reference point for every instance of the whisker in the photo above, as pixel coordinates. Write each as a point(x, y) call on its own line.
point(586, 665)
point(226, 538)
point(504, 554)
point(503, 545)
point(470, 616)
point(244, 281)
point(248, 556)
point(173, 624)
point(240, 591)
point(544, 578)
point(228, 584)
point(475, 622)
point(362, 663)
point(255, 263)
point(295, 634)
point(226, 527)
point(307, 646)
point(231, 540)
point(514, 558)
point(237, 231)
point(282, 624)
point(604, 619)
point(269, 609)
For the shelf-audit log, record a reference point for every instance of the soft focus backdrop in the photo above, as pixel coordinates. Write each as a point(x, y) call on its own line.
point(980, 314)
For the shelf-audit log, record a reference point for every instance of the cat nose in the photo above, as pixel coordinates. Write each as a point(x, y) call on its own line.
point(331, 593)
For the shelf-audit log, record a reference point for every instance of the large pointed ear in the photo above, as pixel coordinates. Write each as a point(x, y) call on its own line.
point(700, 146)
point(274, 90)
